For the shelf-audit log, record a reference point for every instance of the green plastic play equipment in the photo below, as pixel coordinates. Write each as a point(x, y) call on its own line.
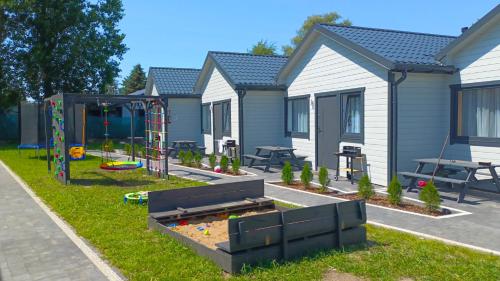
point(140, 197)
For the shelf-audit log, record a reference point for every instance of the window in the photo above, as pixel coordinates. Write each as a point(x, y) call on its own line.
point(205, 119)
point(352, 117)
point(476, 115)
point(297, 119)
point(226, 118)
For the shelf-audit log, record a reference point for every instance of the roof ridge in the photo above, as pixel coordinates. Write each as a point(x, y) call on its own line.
point(389, 30)
point(245, 54)
point(174, 68)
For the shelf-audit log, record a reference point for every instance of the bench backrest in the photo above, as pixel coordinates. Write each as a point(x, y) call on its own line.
point(166, 200)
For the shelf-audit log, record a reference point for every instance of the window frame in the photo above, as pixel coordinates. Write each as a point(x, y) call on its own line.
point(209, 129)
point(226, 131)
point(291, 133)
point(352, 137)
point(470, 140)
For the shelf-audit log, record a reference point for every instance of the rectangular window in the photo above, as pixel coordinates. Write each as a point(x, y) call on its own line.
point(297, 119)
point(352, 117)
point(477, 115)
point(226, 118)
point(205, 119)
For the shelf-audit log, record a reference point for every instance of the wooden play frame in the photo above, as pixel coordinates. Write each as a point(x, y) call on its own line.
point(253, 240)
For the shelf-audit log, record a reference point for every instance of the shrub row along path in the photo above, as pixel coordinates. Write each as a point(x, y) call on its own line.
point(475, 223)
point(32, 245)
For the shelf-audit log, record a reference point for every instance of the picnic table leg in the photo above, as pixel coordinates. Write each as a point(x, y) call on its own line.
point(352, 169)
point(271, 159)
point(463, 190)
point(494, 175)
point(413, 181)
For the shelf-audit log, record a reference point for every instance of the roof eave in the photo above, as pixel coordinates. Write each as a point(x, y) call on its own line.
point(421, 68)
point(248, 87)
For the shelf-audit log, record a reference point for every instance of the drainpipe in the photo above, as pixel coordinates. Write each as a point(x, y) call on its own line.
point(393, 124)
point(241, 95)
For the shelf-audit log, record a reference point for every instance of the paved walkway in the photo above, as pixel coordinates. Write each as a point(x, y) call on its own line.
point(32, 246)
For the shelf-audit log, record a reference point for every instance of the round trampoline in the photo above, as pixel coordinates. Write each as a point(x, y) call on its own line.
point(120, 165)
point(140, 197)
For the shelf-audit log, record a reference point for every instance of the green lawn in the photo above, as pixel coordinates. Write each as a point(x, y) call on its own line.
point(93, 205)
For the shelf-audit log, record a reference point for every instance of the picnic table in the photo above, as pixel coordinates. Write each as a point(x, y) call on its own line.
point(268, 155)
point(186, 145)
point(447, 168)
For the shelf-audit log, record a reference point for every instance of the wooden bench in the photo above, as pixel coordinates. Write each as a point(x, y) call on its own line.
point(266, 161)
point(414, 176)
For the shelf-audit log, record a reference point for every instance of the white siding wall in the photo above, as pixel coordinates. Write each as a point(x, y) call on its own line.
point(423, 118)
point(478, 61)
point(329, 66)
point(263, 119)
point(216, 89)
point(185, 117)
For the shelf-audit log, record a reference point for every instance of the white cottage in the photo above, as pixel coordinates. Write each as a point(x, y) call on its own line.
point(177, 85)
point(345, 84)
point(241, 100)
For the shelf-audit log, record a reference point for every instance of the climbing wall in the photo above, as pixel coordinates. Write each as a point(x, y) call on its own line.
point(60, 153)
point(156, 147)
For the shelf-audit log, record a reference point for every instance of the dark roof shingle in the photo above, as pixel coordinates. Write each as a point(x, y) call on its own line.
point(177, 81)
point(399, 47)
point(249, 70)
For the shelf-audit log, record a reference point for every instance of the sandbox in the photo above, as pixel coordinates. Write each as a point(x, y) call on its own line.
point(246, 228)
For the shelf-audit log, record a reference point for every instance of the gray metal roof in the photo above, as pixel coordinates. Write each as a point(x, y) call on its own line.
point(172, 81)
point(138, 93)
point(391, 48)
point(244, 69)
point(469, 32)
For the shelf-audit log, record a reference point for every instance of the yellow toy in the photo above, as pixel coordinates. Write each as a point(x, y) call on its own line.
point(77, 153)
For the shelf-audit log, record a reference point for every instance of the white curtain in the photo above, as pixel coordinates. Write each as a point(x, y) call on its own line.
point(298, 115)
point(481, 112)
point(352, 117)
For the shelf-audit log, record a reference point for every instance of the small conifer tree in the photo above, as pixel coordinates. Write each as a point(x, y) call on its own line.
point(197, 159)
point(287, 173)
point(182, 157)
point(235, 166)
point(395, 191)
point(365, 188)
point(224, 163)
point(188, 158)
point(324, 179)
point(306, 176)
point(430, 195)
point(212, 160)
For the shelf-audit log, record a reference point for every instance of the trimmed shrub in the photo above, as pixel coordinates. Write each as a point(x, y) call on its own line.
point(128, 149)
point(224, 163)
point(323, 178)
point(287, 173)
point(306, 176)
point(235, 166)
point(137, 150)
point(188, 158)
point(365, 188)
point(430, 195)
point(395, 191)
point(108, 146)
point(143, 152)
point(197, 159)
point(212, 160)
point(182, 157)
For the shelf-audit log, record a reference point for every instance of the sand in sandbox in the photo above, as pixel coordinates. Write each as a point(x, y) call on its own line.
point(216, 226)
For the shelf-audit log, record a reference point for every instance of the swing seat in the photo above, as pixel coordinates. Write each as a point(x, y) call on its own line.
point(121, 165)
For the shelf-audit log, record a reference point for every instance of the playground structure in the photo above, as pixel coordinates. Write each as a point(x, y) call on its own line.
point(61, 107)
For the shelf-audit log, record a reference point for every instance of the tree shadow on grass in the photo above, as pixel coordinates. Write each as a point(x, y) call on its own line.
point(101, 179)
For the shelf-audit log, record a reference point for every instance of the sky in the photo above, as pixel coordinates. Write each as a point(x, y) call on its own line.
point(179, 33)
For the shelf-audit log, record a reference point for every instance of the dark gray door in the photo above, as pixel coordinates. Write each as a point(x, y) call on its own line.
point(328, 130)
point(217, 111)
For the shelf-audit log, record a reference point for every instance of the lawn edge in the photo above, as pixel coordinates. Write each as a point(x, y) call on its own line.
point(92, 254)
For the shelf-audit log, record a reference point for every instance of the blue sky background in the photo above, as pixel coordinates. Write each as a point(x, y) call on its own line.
point(178, 33)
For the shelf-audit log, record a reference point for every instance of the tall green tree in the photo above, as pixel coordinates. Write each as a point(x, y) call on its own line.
point(331, 18)
point(63, 45)
point(263, 47)
point(135, 81)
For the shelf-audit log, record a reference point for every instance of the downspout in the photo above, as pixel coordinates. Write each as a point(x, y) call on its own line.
point(393, 124)
point(241, 95)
